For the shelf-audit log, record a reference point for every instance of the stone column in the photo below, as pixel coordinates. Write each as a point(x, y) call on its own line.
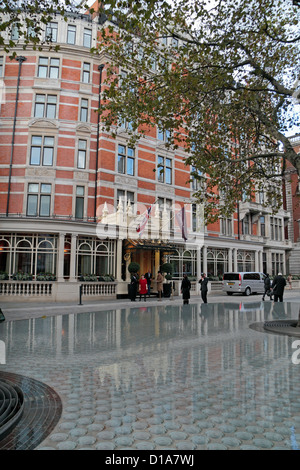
point(204, 255)
point(260, 256)
point(157, 266)
point(60, 257)
point(198, 261)
point(235, 263)
point(119, 260)
point(256, 261)
point(73, 257)
point(229, 267)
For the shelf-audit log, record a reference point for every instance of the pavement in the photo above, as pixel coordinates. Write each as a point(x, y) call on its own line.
point(24, 310)
point(156, 378)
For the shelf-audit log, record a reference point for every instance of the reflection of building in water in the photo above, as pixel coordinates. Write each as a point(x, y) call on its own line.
point(161, 347)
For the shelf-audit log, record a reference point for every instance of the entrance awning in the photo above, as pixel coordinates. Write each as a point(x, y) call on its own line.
point(134, 245)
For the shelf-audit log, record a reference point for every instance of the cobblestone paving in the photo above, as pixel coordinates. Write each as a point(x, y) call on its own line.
point(164, 377)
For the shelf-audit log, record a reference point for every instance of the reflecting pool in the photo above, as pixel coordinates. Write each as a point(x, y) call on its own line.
point(164, 377)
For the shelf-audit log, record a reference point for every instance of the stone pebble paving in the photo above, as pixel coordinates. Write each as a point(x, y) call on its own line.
point(198, 389)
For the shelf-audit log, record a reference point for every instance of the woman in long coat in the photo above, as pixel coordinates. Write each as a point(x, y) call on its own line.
point(185, 289)
point(159, 281)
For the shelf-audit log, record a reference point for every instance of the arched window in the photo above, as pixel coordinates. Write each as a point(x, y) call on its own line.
point(84, 265)
point(23, 257)
point(45, 259)
point(187, 263)
point(102, 260)
point(4, 256)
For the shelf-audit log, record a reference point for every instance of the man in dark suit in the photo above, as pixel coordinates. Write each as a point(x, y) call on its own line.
point(278, 286)
point(204, 288)
point(148, 276)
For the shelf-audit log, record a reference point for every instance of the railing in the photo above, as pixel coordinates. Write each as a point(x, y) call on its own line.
point(37, 289)
point(98, 288)
point(26, 288)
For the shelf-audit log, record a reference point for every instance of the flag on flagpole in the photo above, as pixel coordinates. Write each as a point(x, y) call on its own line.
point(181, 220)
point(141, 227)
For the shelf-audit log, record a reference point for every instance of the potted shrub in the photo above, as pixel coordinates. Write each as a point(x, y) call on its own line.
point(133, 267)
point(3, 276)
point(88, 278)
point(167, 287)
point(45, 277)
point(22, 276)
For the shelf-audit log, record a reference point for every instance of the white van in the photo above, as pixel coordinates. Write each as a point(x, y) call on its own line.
point(244, 283)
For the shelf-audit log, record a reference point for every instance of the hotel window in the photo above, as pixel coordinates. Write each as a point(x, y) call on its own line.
point(277, 263)
point(166, 205)
point(38, 200)
point(86, 71)
point(125, 160)
point(163, 134)
point(84, 110)
point(45, 106)
point(42, 150)
point(164, 170)
point(124, 197)
point(175, 42)
point(226, 226)
point(246, 225)
point(261, 197)
point(276, 228)
point(51, 32)
point(48, 67)
point(14, 33)
point(125, 124)
point(81, 160)
point(71, 34)
point(194, 217)
point(30, 32)
point(87, 38)
point(79, 203)
point(197, 179)
point(1, 66)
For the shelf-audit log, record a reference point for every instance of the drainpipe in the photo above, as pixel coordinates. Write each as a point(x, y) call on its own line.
point(100, 68)
point(20, 59)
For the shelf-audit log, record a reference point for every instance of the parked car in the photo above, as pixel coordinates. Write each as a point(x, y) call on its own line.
point(244, 283)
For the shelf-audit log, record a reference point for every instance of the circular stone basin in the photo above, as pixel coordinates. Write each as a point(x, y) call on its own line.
point(282, 327)
point(42, 410)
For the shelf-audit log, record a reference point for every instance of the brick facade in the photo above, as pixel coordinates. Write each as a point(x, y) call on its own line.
point(47, 175)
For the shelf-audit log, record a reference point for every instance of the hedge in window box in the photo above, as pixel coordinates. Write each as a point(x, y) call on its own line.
point(22, 277)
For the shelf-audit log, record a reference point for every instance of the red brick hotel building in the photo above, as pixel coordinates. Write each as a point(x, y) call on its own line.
point(72, 195)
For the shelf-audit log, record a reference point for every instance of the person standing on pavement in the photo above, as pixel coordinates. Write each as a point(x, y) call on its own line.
point(133, 287)
point(185, 289)
point(268, 290)
point(204, 287)
point(289, 280)
point(159, 280)
point(143, 288)
point(278, 286)
point(148, 277)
